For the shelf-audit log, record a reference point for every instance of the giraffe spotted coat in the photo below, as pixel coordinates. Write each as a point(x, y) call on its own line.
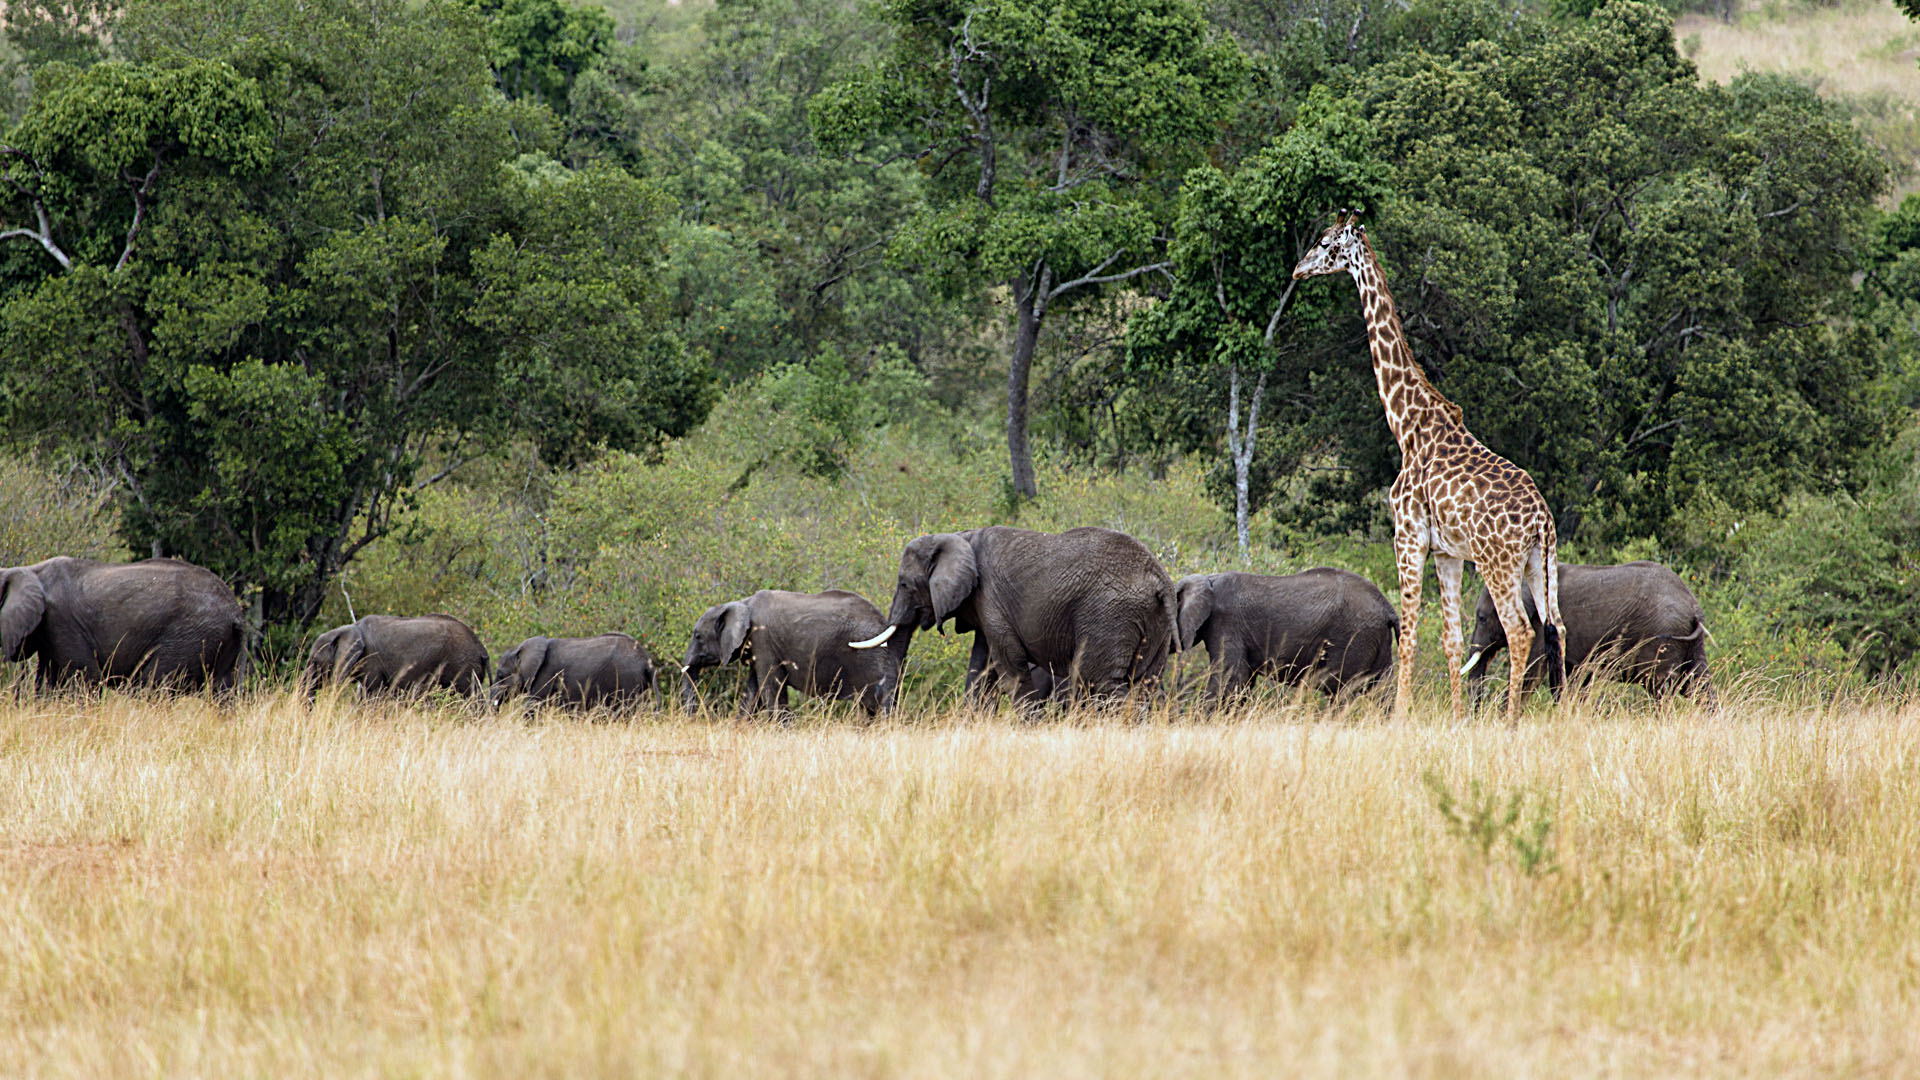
point(1454, 497)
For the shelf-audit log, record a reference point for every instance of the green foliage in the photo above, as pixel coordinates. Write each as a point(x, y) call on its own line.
point(540, 48)
point(55, 511)
point(61, 31)
point(816, 415)
point(1053, 132)
point(778, 250)
point(1631, 282)
point(1236, 240)
point(1482, 820)
point(1846, 566)
point(298, 253)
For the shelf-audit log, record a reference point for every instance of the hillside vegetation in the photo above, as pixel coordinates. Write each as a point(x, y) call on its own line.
point(1863, 53)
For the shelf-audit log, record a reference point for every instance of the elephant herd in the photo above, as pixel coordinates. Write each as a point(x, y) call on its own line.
point(1086, 615)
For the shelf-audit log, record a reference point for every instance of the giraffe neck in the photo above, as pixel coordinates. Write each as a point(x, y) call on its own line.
point(1415, 410)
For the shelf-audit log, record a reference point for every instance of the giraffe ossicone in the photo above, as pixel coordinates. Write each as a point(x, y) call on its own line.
point(1454, 498)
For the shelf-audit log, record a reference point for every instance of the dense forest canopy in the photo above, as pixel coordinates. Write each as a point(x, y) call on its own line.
point(273, 269)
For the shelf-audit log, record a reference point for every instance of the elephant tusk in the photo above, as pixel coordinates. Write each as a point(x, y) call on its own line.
point(1472, 661)
point(873, 642)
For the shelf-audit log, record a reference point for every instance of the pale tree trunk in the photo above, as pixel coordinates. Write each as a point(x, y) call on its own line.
point(1030, 305)
point(1241, 450)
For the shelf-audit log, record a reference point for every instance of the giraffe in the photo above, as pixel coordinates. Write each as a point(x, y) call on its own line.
point(1453, 496)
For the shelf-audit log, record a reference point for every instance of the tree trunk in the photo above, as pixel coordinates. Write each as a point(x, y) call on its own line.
point(1029, 298)
point(1241, 450)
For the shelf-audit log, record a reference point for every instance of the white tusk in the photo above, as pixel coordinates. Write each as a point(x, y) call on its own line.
point(685, 670)
point(1467, 668)
point(872, 642)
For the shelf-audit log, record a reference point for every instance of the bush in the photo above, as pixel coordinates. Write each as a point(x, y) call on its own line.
point(48, 512)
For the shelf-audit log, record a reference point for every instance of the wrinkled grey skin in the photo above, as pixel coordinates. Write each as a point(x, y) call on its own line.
point(611, 670)
point(161, 622)
point(399, 654)
point(1636, 623)
point(1324, 628)
point(1092, 607)
point(798, 641)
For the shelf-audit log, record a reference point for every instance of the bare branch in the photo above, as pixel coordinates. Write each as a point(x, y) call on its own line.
point(976, 105)
point(1095, 277)
point(44, 235)
point(1273, 324)
point(140, 194)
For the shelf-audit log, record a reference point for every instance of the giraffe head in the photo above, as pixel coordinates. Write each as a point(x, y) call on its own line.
point(1341, 248)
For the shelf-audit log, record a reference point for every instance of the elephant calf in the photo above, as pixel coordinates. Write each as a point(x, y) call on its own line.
point(1325, 628)
point(611, 669)
point(1637, 623)
point(399, 654)
point(161, 622)
point(797, 640)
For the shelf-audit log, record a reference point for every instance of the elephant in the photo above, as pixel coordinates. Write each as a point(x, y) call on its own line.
point(160, 622)
point(797, 640)
point(1326, 628)
point(1636, 623)
point(399, 655)
point(584, 672)
point(1090, 606)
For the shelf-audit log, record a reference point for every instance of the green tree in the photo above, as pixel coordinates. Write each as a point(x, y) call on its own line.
point(1630, 279)
point(296, 260)
point(779, 249)
point(1052, 132)
point(1236, 240)
point(540, 48)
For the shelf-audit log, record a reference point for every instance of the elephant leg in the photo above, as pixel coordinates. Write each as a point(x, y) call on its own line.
point(1698, 684)
point(1216, 678)
point(750, 697)
point(982, 679)
point(1012, 666)
point(1236, 676)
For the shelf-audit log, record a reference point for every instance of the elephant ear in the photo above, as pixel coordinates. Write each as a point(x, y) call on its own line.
point(1193, 598)
point(325, 653)
point(533, 657)
point(955, 575)
point(24, 605)
point(352, 650)
point(735, 620)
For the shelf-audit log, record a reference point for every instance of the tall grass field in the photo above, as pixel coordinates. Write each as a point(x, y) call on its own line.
point(263, 888)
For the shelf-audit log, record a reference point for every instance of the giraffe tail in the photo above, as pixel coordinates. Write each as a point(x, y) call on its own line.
point(1550, 632)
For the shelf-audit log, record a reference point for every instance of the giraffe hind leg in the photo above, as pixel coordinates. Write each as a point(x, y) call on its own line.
point(1504, 585)
point(1543, 580)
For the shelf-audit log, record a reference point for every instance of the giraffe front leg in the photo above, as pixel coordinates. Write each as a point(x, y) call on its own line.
point(1448, 569)
point(1410, 559)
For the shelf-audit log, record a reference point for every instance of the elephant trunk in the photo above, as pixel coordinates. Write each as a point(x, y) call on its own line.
point(689, 694)
point(1475, 669)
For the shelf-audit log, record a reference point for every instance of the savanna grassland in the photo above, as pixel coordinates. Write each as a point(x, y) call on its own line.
point(1862, 53)
point(355, 889)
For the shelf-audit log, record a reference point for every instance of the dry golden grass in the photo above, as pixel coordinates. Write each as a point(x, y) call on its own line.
point(1863, 51)
point(266, 890)
point(1852, 48)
